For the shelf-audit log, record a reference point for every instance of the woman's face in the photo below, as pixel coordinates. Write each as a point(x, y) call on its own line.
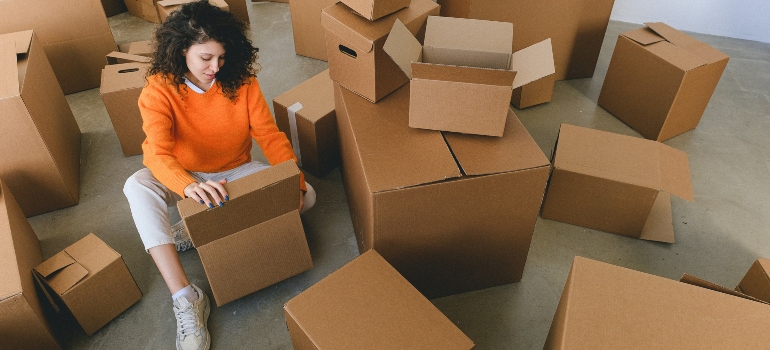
point(204, 61)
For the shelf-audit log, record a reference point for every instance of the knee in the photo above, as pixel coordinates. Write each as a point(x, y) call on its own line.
point(310, 197)
point(137, 181)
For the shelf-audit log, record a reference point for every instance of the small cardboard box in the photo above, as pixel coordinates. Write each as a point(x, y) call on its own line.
point(609, 307)
point(22, 320)
point(535, 75)
point(616, 183)
point(660, 80)
point(121, 86)
point(306, 115)
point(139, 48)
point(756, 283)
point(144, 9)
point(91, 280)
point(375, 9)
point(40, 147)
point(256, 239)
point(354, 47)
point(165, 7)
point(306, 24)
point(450, 188)
point(367, 304)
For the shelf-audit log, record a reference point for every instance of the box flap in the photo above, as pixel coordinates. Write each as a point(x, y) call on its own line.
point(167, 3)
point(533, 63)
point(672, 35)
point(116, 57)
point(55, 263)
point(9, 77)
point(61, 272)
point(676, 55)
point(659, 226)
point(403, 47)
point(117, 77)
point(141, 48)
point(674, 172)
point(22, 40)
point(695, 281)
point(315, 94)
point(471, 75)
point(92, 253)
point(644, 36)
point(469, 35)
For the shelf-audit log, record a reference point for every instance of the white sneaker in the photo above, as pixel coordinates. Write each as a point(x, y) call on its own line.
point(182, 239)
point(191, 319)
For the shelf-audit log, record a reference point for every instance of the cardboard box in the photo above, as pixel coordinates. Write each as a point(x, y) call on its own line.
point(375, 9)
point(610, 307)
point(756, 283)
point(576, 27)
point(113, 7)
point(306, 115)
point(354, 47)
point(144, 9)
point(22, 320)
point(660, 80)
point(165, 7)
point(239, 9)
point(40, 146)
point(256, 239)
point(306, 25)
point(91, 280)
point(420, 196)
point(122, 83)
point(616, 183)
point(139, 48)
point(367, 304)
point(74, 34)
point(535, 75)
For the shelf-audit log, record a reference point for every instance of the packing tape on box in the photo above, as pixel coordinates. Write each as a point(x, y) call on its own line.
point(293, 109)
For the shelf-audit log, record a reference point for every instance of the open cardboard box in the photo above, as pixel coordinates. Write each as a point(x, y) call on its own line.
point(165, 7)
point(616, 183)
point(375, 9)
point(122, 83)
point(756, 283)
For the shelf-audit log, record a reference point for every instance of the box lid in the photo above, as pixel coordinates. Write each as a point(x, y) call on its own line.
point(80, 260)
point(677, 48)
point(623, 158)
point(117, 77)
point(315, 94)
point(533, 63)
point(468, 42)
point(11, 45)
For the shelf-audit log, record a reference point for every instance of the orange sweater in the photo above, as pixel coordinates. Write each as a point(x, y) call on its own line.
point(206, 132)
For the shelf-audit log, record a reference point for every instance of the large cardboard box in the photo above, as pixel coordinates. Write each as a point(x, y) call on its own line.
point(144, 9)
point(660, 80)
point(23, 324)
point(74, 34)
point(616, 183)
point(306, 114)
point(535, 75)
point(165, 7)
point(256, 239)
point(91, 280)
point(122, 83)
point(367, 304)
point(576, 27)
point(354, 47)
point(451, 212)
point(375, 9)
point(756, 283)
point(40, 145)
point(306, 25)
point(610, 307)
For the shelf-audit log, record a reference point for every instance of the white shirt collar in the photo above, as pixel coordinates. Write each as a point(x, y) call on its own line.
point(195, 88)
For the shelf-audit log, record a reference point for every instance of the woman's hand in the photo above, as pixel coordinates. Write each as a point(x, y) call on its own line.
point(206, 192)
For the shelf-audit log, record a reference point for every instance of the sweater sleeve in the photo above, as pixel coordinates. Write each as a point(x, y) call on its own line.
point(274, 143)
point(158, 125)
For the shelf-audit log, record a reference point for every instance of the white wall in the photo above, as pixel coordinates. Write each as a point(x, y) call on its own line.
point(743, 19)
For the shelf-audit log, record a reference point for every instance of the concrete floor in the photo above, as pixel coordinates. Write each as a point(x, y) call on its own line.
point(718, 235)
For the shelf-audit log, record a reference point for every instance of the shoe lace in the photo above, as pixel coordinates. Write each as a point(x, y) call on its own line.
point(182, 242)
point(187, 321)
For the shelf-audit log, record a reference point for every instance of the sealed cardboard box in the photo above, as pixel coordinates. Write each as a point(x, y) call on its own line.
point(535, 75)
point(609, 307)
point(74, 34)
point(367, 304)
point(306, 25)
point(616, 183)
point(375, 9)
point(354, 47)
point(91, 280)
point(144, 9)
point(165, 7)
point(256, 239)
point(22, 320)
point(420, 196)
point(576, 27)
point(660, 80)
point(756, 283)
point(40, 146)
point(122, 84)
point(306, 115)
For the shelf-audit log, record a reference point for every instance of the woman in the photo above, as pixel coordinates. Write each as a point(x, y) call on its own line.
point(200, 108)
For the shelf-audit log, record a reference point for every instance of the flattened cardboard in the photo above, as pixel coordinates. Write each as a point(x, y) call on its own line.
point(609, 307)
point(375, 9)
point(121, 86)
point(535, 71)
point(316, 123)
point(367, 304)
point(756, 283)
point(306, 25)
point(165, 7)
point(394, 174)
point(660, 80)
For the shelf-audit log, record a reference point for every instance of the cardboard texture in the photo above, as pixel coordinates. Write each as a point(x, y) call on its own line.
point(660, 80)
point(690, 279)
point(40, 146)
point(756, 283)
point(354, 47)
point(256, 239)
point(113, 7)
point(367, 304)
point(144, 9)
point(74, 34)
point(306, 25)
point(23, 324)
point(121, 86)
point(165, 7)
point(610, 307)
point(314, 122)
point(465, 232)
point(239, 10)
point(535, 75)
point(616, 183)
point(139, 48)
point(375, 9)
point(576, 27)
point(91, 280)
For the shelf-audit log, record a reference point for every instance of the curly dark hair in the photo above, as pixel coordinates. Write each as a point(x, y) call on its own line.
point(196, 23)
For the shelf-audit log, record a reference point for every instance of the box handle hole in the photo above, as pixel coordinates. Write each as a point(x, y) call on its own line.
point(128, 70)
point(348, 51)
